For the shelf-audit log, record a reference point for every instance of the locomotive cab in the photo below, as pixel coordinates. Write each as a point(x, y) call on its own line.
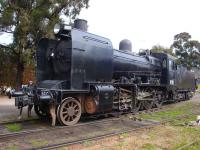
point(168, 68)
point(178, 80)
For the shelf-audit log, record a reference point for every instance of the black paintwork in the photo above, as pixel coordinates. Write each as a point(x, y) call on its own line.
point(80, 59)
point(175, 76)
point(103, 96)
point(80, 64)
point(91, 59)
point(81, 24)
point(125, 45)
point(128, 64)
point(184, 79)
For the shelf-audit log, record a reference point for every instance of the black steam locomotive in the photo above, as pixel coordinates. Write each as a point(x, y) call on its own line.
point(80, 73)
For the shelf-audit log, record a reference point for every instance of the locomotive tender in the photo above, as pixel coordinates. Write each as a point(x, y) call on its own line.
point(80, 73)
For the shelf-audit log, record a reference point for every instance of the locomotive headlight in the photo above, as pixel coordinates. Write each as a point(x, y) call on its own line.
point(57, 28)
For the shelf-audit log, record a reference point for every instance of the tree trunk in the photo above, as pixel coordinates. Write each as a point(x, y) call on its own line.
point(19, 77)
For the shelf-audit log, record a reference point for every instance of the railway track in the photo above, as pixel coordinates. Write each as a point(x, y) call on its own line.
point(14, 134)
point(89, 118)
point(164, 107)
point(99, 137)
point(10, 136)
point(20, 136)
point(7, 136)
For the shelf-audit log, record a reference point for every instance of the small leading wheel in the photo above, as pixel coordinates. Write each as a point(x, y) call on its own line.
point(69, 112)
point(41, 111)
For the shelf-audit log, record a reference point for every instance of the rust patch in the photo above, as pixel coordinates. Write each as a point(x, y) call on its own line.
point(90, 105)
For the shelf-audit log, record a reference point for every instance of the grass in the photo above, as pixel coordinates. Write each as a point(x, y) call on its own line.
point(120, 145)
point(186, 135)
point(87, 143)
point(172, 135)
point(148, 146)
point(177, 130)
point(13, 148)
point(124, 135)
point(179, 115)
point(14, 127)
point(194, 146)
point(168, 137)
point(38, 143)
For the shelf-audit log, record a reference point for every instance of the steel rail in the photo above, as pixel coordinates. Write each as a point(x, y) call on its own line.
point(153, 124)
point(14, 134)
point(64, 144)
point(27, 132)
point(54, 146)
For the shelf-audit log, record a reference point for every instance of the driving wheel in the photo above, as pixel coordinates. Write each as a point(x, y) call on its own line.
point(69, 111)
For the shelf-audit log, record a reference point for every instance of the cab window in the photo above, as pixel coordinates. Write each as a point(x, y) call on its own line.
point(164, 63)
point(171, 65)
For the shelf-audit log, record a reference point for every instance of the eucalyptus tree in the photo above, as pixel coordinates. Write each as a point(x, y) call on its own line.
point(187, 50)
point(159, 48)
point(28, 21)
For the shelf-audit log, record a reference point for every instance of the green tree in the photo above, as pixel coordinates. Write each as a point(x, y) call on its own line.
point(187, 50)
point(29, 20)
point(161, 49)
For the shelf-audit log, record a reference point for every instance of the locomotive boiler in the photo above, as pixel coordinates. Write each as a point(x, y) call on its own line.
point(80, 73)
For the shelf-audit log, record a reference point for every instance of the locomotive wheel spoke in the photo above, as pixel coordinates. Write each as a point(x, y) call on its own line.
point(67, 105)
point(71, 104)
point(65, 117)
point(68, 118)
point(75, 107)
point(69, 111)
point(65, 112)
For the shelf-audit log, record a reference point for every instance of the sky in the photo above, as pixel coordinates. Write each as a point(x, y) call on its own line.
point(144, 22)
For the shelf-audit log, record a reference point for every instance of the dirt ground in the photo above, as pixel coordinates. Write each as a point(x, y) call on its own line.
point(8, 111)
point(167, 136)
point(163, 137)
